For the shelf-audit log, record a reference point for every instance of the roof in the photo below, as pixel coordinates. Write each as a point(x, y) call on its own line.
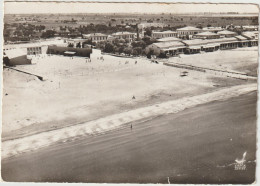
point(94, 34)
point(168, 39)
point(250, 26)
point(241, 38)
point(251, 35)
point(206, 34)
point(195, 42)
point(13, 53)
point(212, 28)
point(226, 32)
point(170, 44)
point(122, 33)
point(76, 40)
point(165, 32)
point(188, 28)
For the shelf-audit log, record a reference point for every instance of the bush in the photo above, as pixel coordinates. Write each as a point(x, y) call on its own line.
point(109, 48)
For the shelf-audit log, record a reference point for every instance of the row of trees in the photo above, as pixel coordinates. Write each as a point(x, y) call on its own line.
point(121, 46)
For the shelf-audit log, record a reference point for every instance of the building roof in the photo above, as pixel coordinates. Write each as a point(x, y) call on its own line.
point(145, 25)
point(165, 32)
point(250, 26)
point(195, 42)
point(170, 44)
point(94, 34)
point(250, 35)
point(212, 29)
point(168, 39)
point(206, 34)
point(226, 32)
point(13, 53)
point(122, 33)
point(188, 28)
point(241, 38)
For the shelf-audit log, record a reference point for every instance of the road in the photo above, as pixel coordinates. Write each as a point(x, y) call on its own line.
point(197, 145)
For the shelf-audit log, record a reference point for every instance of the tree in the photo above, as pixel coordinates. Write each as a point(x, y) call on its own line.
point(137, 51)
point(109, 48)
point(148, 32)
point(141, 44)
point(78, 45)
point(48, 34)
point(128, 51)
point(150, 53)
point(71, 45)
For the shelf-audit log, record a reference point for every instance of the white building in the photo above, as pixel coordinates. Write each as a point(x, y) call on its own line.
point(124, 35)
point(164, 34)
point(95, 37)
point(226, 33)
point(168, 39)
point(206, 35)
point(212, 29)
point(188, 31)
point(172, 48)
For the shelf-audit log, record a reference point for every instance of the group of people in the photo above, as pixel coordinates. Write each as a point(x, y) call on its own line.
point(88, 60)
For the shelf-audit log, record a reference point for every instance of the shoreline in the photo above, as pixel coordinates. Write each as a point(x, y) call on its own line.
point(20, 145)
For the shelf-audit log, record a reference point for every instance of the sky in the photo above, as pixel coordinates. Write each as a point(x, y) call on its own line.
point(88, 7)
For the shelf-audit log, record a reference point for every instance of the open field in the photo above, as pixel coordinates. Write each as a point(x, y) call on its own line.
point(76, 91)
point(55, 20)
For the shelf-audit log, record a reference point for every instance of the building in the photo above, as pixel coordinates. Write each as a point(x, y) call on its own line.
point(164, 34)
point(210, 45)
point(95, 37)
point(243, 41)
point(206, 35)
point(149, 25)
point(69, 51)
point(80, 43)
point(228, 43)
point(226, 33)
point(167, 48)
point(34, 50)
point(250, 28)
point(198, 45)
point(168, 39)
point(250, 35)
point(188, 31)
point(124, 35)
point(212, 29)
point(16, 57)
point(142, 26)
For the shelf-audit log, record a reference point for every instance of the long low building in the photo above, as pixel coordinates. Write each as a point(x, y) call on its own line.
point(168, 39)
point(163, 34)
point(199, 45)
point(16, 57)
point(69, 51)
point(210, 45)
point(206, 35)
point(172, 48)
point(95, 37)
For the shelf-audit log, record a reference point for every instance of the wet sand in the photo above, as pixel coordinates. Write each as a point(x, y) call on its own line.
point(197, 145)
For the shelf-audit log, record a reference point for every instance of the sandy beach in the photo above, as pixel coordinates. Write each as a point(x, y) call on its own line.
point(75, 90)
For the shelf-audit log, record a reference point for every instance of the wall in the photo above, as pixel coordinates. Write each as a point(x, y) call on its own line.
point(84, 52)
